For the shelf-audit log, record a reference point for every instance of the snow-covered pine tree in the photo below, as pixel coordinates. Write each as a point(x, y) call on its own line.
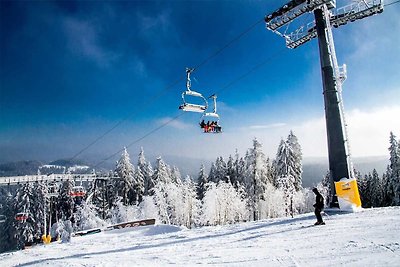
point(231, 169)
point(223, 204)
point(325, 188)
point(202, 180)
point(397, 188)
point(99, 198)
point(394, 169)
point(162, 172)
point(241, 171)
point(297, 167)
point(362, 184)
point(368, 192)
point(144, 171)
point(213, 176)
point(7, 229)
point(187, 212)
point(256, 177)
point(86, 218)
point(164, 191)
point(376, 190)
point(218, 171)
point(41, 207)
point(176, 175)
point(23, 205)
point(387, 189)
point(285, 174)
point(63, 207)
point(125, 172)
point(118, 213)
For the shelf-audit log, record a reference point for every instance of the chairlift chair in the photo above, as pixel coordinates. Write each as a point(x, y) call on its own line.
point(209, 121)
point(200, 104)
point(78, 191)
point(52, 190)
point(22, 216)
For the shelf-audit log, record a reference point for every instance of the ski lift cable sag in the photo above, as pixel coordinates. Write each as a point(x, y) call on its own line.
point(158, 96)
point(392, 3)
point(139, 139)
point(228, 85)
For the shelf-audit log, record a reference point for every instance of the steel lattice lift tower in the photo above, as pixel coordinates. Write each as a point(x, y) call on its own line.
point(326, 16)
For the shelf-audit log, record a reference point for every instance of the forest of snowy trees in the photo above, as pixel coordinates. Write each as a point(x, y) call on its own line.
point(236, 189)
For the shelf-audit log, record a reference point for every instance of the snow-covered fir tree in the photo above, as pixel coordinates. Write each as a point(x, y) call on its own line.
point(213, 175)
point(287, 170)
point(325, 188)
point(99, 198)
point(394, 169)
point(362, 184)
point(176, 175)
point(65, 203)
point(202, 180)
point(41, 207)
point(376, 190)
point(223, 204)
point(126, 173)
point(163, 191)
point(188, 211)
point(119, 212)
point(297, 166)
point(218, 171)
point(86, 218)
point(144, 172)
point(257, 176)
point(7, 229)
point(24, 222)
point(231, 173)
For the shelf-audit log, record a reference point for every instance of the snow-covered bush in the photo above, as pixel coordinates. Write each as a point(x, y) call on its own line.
point(223, 204)
point(86, 218)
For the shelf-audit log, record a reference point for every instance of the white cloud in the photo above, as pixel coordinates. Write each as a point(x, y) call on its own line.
point(368, 132)
point(268, 126)
point(171, 122)
point(82, 38)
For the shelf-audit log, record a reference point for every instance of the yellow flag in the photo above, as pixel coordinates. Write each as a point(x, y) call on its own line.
point(347, 193)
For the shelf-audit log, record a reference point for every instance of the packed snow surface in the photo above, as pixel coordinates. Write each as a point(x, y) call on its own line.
point(370, 237)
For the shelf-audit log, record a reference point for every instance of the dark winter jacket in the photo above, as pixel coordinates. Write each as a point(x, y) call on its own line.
point(319, 201)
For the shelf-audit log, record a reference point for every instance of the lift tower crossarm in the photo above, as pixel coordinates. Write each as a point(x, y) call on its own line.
point(338, 17)
point(293, 10)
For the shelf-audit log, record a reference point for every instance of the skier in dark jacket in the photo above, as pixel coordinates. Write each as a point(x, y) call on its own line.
point(319, 206)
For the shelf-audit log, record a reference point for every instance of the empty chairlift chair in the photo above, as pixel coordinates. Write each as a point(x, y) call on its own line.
point(192, 101)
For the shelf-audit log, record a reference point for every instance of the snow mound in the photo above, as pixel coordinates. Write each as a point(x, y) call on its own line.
point(162, 229)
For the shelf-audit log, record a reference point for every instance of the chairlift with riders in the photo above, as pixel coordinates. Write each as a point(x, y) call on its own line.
point(22, 216)
point(78, 191)
point(209, 121)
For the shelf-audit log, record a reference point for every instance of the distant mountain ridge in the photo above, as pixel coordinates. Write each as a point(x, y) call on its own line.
point(32, 167)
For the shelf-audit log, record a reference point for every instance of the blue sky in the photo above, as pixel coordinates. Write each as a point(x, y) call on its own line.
point(69, 71)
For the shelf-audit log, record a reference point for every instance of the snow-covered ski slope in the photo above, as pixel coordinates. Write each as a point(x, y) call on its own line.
point(367, 238)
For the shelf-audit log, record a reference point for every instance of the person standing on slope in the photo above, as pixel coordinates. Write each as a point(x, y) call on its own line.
point(319, 206)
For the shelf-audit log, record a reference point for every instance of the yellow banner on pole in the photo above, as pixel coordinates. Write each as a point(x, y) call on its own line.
point(347, 193)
